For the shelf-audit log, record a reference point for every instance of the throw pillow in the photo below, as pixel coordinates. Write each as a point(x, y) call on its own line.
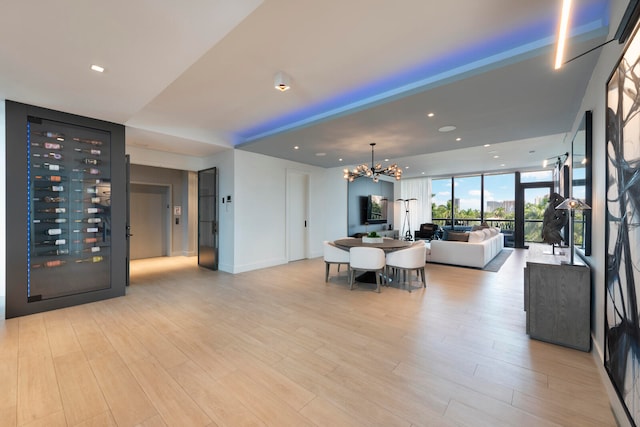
point(457, 236)
point(487, 233)
point(476, 236)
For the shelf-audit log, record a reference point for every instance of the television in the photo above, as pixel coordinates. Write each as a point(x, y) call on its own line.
point(374, 209)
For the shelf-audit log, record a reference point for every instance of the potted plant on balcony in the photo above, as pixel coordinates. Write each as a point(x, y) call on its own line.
point(372, 237)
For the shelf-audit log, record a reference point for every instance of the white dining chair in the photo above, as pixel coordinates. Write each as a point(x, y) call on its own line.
point(366, 259)
point(408, 260)
point(334, 255)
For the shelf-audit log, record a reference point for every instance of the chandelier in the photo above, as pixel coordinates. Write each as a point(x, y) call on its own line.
point(374, 171)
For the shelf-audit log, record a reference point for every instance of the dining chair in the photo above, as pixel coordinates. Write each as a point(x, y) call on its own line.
point(334, 255)
point(366, 259)
point(407, 260)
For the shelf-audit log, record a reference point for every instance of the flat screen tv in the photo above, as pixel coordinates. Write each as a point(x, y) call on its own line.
point(374, 209)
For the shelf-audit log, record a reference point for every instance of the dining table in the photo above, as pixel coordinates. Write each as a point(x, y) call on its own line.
point(387, 245)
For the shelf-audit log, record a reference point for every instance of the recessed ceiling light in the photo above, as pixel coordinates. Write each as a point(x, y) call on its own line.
point(321, 154)
point(447, 128)
point(458, 139)
point(296, 147)
point(97, 68)
point(339, 160)
point(406, 167)
point(503, 165)
point(487, 145)
point(386, 160)
point(496, 157)
point(423, 173)
point(282, 82)
point(430, 115)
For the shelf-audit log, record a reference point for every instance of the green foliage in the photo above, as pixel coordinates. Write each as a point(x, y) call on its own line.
point(373, 234)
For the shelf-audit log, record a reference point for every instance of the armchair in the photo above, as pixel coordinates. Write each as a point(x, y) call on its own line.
point(428, 231)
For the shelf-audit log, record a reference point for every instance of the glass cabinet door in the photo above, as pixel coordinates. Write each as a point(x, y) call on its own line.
point(208, 218)
point(68, 209)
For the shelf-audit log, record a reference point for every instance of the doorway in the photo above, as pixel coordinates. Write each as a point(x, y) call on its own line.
point(208, 218)
point(150, 220)
point(531, 202)
point(297, 214)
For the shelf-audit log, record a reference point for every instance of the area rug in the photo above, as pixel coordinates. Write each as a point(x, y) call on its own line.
point(497, 262)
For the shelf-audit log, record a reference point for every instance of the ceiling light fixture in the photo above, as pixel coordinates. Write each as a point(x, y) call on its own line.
point(448, 128)
point(282, 82)
point(562, 33)
point(374, 171)
point(97, 68)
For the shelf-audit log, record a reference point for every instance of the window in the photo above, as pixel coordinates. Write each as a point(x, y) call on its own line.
point(499, 200)
point(467, 200)
point(441, 201)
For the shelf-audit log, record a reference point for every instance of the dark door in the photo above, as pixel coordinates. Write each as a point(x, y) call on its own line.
point(208, 218)
point(128, 215)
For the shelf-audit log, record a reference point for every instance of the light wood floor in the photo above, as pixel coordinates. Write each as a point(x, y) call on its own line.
point(279, 347)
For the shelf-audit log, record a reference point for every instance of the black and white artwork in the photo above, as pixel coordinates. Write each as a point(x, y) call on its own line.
point(622, 324)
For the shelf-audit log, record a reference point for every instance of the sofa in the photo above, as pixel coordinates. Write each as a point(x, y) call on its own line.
point(470, 249)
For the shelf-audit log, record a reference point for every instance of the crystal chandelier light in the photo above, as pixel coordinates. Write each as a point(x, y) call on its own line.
point(374, 171)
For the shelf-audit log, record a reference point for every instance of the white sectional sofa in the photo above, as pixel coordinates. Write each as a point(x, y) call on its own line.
point(480, 248)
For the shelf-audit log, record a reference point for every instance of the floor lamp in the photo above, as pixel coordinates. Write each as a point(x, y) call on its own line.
point(406, 225)
point(572, 205)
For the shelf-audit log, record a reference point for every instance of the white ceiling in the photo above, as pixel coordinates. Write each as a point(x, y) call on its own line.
point(197, 77)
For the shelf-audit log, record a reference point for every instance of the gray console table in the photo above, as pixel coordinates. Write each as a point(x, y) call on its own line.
point(557, 298)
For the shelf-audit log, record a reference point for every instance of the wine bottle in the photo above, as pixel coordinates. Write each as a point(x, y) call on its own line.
point(90, 171)
point(50, 221)
point(55, 156)
point(53, 231)
point(92, 151)
point(50, 188)
point(52, 178)
point(48, 145)
point(49, 264)
point(87, 240)
point(88, 141)
point(90, 161)
point(52, 210)
point(57, 242)
point(94, 210)
point(97, 258)
point(48, 134)
point(49, 199)
point(49, 166)
point(55, 252)
point(90, 220)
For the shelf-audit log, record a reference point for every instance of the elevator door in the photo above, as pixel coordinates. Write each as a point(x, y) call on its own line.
point(208, 218)
point(149, 221)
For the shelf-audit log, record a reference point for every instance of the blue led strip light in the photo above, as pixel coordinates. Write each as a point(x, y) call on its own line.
point(28, 209)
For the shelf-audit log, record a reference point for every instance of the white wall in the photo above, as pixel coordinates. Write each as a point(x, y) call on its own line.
point(260, 210)
point(595, 100)
point(163, 159)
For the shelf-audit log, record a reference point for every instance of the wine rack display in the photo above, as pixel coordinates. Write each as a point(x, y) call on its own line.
point(69, 201)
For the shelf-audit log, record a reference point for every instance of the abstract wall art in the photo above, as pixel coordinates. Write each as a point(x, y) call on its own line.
point(622, 229)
